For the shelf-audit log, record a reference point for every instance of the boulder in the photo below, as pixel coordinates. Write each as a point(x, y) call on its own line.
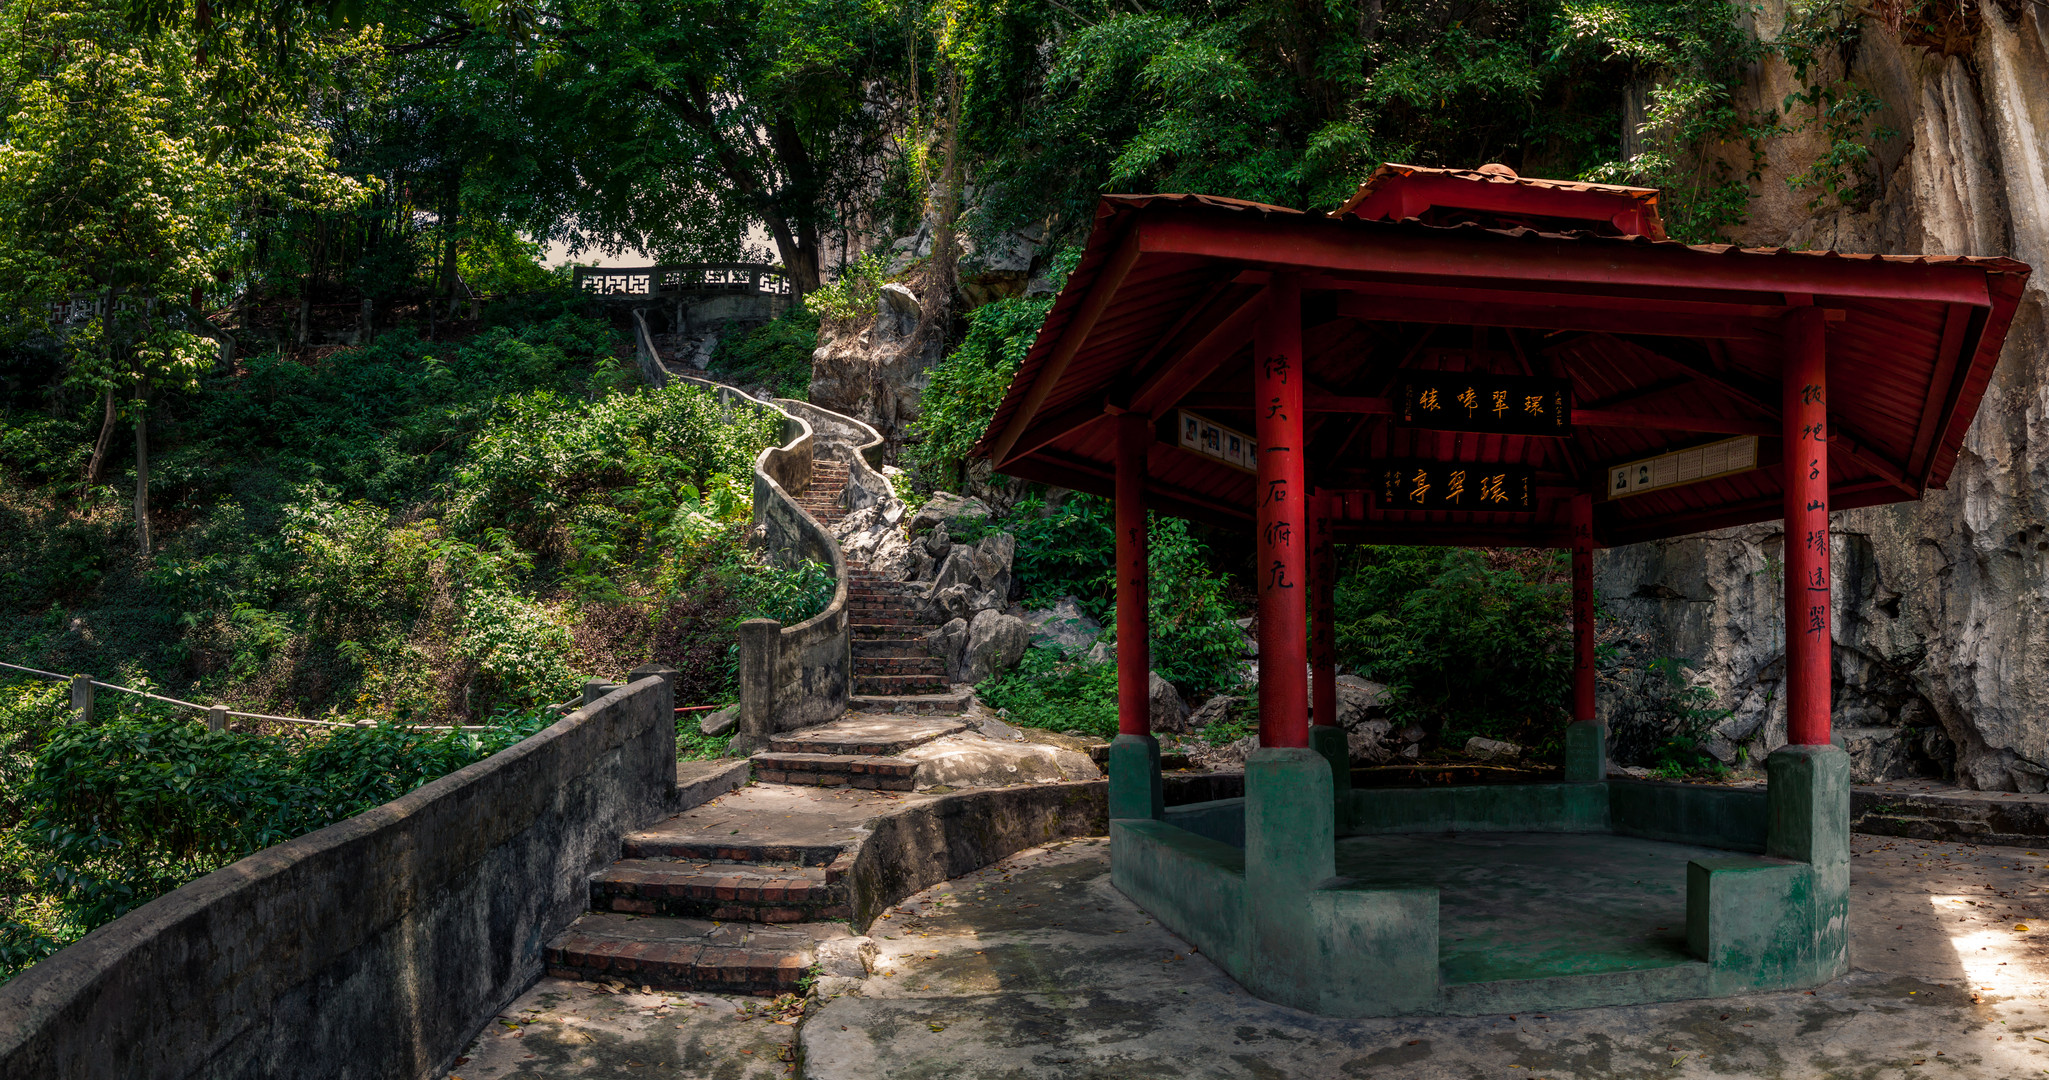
point(1064, 624)
point(1359, 700)
point(992, 559)
point(996, 642)
point(1213, 710)
point(1372, 741)
point(720, 721)
point(971, 760)
point(946, 506)
point(1169, 712)
point(1481, 749)
point(896, 312)
point(1102, 652)
point(950, 644)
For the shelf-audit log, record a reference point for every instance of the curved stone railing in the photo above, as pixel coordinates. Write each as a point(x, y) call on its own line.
point(853, 442)
point(375, 947)
point(802, 675)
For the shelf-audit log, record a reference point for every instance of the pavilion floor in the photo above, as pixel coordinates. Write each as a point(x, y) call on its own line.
point(1537, 905)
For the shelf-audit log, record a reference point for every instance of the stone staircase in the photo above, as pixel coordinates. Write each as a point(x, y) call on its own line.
point(857, 751)
point(826, 498)
point(696, 905)
point(893, 670)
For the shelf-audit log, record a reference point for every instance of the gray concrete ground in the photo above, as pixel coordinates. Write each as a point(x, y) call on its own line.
point(1038, 968)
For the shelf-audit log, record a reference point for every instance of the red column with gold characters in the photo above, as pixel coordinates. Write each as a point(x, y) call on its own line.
point(1281, 499)
point(1582, 607)
point(1134, 770)
point(1808, 637)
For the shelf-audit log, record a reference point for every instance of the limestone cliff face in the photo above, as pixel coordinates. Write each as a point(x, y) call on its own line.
point(1942, 613)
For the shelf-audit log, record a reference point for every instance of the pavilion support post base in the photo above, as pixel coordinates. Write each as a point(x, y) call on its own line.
point(1329, 742)
point(1807, 797)
point(1135, 790)
point(1781, 921)
point(1586, 752)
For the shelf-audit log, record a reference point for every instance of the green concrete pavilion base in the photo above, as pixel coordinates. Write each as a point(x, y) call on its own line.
point(1461, 901)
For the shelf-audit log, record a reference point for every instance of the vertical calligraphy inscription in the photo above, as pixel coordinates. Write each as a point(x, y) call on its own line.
point(1804, 476)
point(1283, 603)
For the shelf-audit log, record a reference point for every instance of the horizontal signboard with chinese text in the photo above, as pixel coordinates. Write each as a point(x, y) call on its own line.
point(1481, 402)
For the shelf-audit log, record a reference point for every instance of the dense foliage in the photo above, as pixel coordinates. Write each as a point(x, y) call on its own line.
point(777, 356)
point(95, 821)
point(1469, 643)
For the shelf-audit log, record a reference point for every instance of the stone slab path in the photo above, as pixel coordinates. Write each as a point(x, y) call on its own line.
point(1038, 968)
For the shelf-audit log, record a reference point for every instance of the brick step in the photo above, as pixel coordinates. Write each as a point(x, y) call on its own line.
point(869, 590)
point(948, 704)
point(898, 665)
point(889, 647)
point(889, 628)
point(864, 736)
point(835, 770)
point(900, 684)
point(728, 891)
point(687, 954)
point(688, 843)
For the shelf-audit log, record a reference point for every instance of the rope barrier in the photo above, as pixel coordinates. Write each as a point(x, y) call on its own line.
point(35, 671)
point(244, 715)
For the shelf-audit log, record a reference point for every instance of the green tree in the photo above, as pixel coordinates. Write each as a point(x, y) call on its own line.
point(125, 162)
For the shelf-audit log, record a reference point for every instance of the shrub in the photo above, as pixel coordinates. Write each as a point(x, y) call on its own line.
point(969, 384)
point(1050, 690)
point(850, 296)
point(1470, 643)
point(1072, 552)
point(777, 355)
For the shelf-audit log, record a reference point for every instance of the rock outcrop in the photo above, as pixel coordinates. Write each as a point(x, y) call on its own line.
point(1942, 606)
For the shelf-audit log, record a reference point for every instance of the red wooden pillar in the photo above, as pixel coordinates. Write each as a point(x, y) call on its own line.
point(1282, 500)
point(1134, 656)
point(1805, 420)
point(1323, 640)
point(1134, 766)
point(1582, 607)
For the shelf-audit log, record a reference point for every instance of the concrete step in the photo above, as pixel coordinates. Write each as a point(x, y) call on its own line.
point(695, 844)
point(834, 770)
point(888, 647)
point(947, 704)
point(728, 891)
point(864, 736)
point(900, 684)
point(688, 954)
point(888, 626)
point(868, 666)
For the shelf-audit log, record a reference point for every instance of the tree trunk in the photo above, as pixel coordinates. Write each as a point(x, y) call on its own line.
point(99, 446)
point(142, 469)
point(945, 262)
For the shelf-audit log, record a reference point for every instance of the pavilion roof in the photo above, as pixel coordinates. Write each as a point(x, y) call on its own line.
point(1666, 345)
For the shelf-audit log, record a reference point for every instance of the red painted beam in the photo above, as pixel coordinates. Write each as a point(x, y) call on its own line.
point(1340, 246)
point(1186, 370)
point(1542, 317)
point(1721, 425)
point(1103, 290)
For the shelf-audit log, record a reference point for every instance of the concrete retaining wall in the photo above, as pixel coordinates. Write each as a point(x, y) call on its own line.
point(375, 947)
point(813, 666)
point(922, 845)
